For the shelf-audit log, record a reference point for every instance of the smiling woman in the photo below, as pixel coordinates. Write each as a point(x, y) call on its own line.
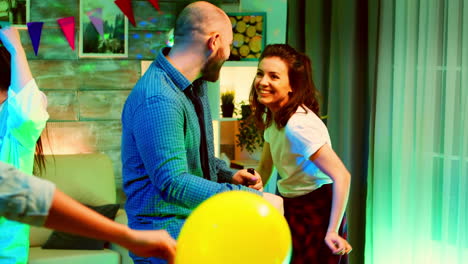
point(313, 181)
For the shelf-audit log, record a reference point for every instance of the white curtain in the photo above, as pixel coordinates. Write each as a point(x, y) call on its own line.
point(417, 203)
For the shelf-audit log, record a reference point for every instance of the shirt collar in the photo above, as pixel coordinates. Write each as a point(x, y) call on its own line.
point(176, 76)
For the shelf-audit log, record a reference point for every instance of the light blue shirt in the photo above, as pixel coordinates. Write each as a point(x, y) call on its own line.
point(24, 198)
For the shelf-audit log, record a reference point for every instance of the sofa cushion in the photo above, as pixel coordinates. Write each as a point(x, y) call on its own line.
point(62, 240)
point(38, 236)
point(38, 255)
point(87, 178)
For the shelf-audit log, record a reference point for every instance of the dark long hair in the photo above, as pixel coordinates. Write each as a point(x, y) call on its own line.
point(5, 71)
point(5, 80)
point(303, 88)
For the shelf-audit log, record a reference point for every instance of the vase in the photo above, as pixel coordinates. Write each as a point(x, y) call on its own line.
point(227, 110)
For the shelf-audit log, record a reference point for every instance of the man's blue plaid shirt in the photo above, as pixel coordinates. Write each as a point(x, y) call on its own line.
point(162, 173)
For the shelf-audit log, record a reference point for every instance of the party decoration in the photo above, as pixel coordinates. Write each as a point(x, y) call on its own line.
point(126, 7)
point(95, 16)
point(35, 31)
point(155, 3)
point(234, 227)
point(67, 24)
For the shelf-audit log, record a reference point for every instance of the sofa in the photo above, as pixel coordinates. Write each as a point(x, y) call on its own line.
point(88, 178)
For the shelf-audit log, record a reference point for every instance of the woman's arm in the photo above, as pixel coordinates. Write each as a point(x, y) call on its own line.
point(329, 163)
point(68, 215)
point(30, 200)
point(20, 72)
point(266, 164)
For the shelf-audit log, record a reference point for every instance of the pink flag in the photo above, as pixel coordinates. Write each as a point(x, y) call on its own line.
point(67, 24)
point(155, 3)
point(126, 7)
point(35, 31)
point(95, 16)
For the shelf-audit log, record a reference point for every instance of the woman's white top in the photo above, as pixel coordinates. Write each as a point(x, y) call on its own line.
point(291, 148)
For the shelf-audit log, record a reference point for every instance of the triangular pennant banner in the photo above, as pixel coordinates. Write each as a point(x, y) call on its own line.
point(155, 3)
point(126, 7)
point(67, 24)
point(35, 31)
point(95, 16)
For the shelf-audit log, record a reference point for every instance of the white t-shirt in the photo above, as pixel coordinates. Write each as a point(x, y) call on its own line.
point(23, 116)
point(291, 148)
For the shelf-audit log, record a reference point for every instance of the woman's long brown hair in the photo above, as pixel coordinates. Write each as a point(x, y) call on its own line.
point(303, 88)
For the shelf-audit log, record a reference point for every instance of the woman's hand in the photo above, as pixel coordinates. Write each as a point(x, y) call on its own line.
point(11, 39)
point(337, 244)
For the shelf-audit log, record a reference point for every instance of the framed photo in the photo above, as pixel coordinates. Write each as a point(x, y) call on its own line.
point(15, 12)
point(248, 30)
point(112, 42)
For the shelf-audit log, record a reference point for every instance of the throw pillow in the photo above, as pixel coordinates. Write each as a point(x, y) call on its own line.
point(62, 240)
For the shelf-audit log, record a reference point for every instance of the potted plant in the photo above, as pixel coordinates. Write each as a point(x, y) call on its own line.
point(227, 103)
point(249, 137)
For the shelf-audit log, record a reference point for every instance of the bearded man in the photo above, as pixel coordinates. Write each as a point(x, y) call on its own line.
point(168, 162)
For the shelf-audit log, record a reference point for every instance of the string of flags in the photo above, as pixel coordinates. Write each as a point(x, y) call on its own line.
point(67, 24)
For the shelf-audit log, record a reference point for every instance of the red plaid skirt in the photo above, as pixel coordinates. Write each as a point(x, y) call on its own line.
point(308, 217)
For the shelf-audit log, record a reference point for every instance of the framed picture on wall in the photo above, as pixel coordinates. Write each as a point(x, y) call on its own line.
point(103, 30)
point(14, 12)
point(248, 30)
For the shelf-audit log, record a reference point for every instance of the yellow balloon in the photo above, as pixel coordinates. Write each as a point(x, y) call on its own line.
point(235, 227)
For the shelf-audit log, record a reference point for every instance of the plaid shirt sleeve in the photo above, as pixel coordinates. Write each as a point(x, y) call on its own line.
point(160, 140)
point(224, 172)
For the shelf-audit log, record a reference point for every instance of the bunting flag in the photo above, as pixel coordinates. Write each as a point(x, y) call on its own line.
point(35, 30)
point(67, 24)
point(126, 7)
point(95, 16)
point(155, 3)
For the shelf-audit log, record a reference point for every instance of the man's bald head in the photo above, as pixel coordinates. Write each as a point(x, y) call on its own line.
point(198, 20)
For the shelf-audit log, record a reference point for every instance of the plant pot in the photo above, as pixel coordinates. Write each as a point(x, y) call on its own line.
point(227, 110)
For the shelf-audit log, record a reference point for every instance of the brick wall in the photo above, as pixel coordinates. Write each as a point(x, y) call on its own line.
point(85, 95)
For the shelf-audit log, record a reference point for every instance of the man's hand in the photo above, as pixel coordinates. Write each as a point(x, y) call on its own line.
point(245, 178)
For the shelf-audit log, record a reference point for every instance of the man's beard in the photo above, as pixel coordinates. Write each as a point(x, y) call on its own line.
point(210, 71)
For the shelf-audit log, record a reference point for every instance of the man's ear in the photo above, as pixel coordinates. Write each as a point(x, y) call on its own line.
point(213, 41)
